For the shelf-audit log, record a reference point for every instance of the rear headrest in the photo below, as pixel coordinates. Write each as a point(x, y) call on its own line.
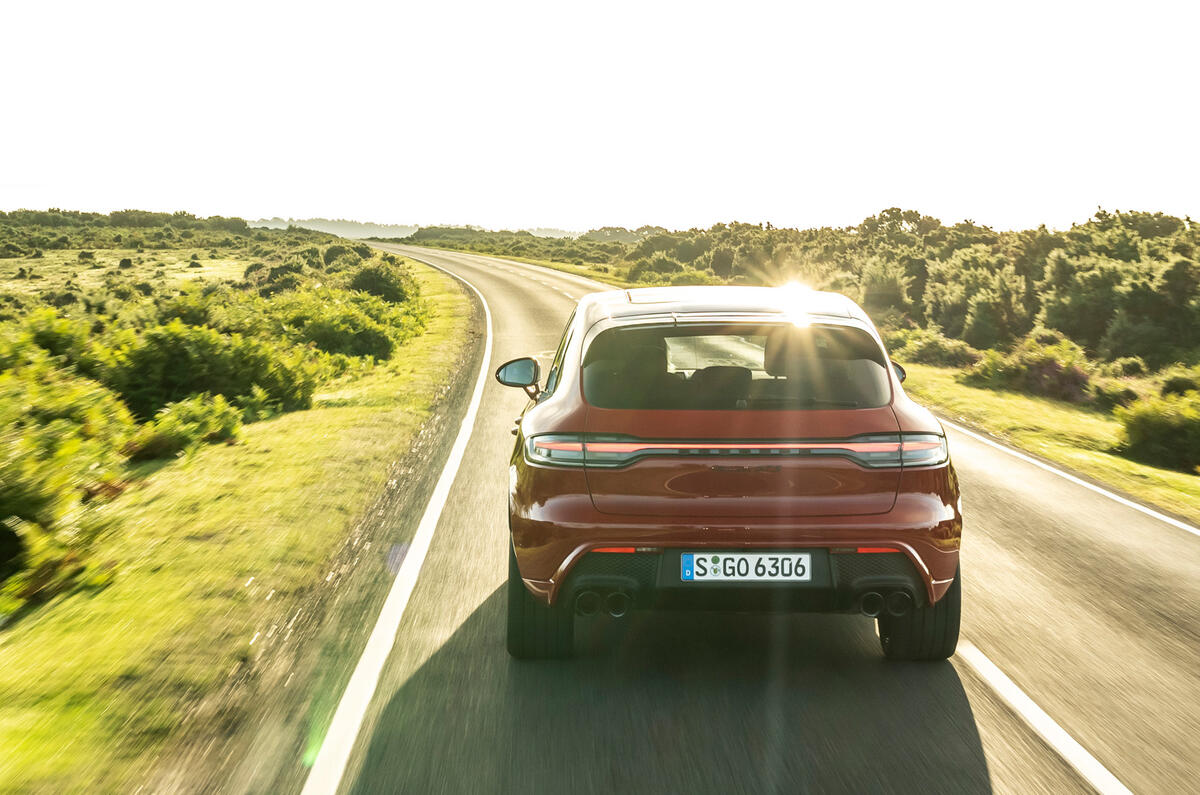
point(784, 345)
point(644, 358)
point(627, 346)
point(725, 377)
point(720, 387)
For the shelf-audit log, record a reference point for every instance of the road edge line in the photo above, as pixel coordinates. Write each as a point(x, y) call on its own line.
point(1076, 480)
point(1054, 735)
point(325, 776)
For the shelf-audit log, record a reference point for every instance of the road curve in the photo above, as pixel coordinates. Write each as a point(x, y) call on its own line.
point(1088, 606)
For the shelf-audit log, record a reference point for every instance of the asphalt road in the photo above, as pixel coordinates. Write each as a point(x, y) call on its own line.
point(1090, 607)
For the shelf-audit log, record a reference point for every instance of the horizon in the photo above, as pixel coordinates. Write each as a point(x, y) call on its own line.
point(255, 222)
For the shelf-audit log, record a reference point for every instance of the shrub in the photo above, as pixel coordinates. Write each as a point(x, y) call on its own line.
point(125, 262)
point(287, 282)
point(930, 346)
point(722, 262)
point(184, 425)
point(385, 280)
point(63, 337)
point(172, 362)
point(87, 255)
point(346, 262)
point(1163, 430)
point(1180, 380)
point(1108, 393)
point(59, 434)
point(333, 252)
point(694, 277)
point(1043, 363)
point(336, 322)
point(1125, 366)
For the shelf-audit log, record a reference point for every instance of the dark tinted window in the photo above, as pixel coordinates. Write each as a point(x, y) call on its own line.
point(556, 367)
point(735, 367)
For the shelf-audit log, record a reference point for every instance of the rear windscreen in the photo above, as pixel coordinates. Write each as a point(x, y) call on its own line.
point(739, 366)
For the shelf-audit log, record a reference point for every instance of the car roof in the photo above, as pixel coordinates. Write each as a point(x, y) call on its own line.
point(718, 300)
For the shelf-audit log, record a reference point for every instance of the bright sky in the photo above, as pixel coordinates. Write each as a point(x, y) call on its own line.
point(577, 115)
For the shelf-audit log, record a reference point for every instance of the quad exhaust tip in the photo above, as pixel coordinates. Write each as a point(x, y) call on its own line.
point(617, 604)
point(587, 603)
point(898, 603)
point(871, 604)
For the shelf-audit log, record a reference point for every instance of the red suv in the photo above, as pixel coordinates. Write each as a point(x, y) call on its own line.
point(728, 448)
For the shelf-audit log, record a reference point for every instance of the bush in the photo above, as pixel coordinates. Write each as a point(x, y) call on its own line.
point(346, 262)
point(1044, 363)
point(175, 361)
point(930, 346)
point(333, 252)
point(1180, 380)
point(184, 425)
point(385, 280)
point(59, 434)
point(63, 337)
point(1163, 430)
point(1125, 366)
point(125, 262)
point(336, 321)
point(694, 277)
point(1108, 393)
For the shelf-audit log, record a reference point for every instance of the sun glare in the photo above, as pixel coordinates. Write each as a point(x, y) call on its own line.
point(798, 297)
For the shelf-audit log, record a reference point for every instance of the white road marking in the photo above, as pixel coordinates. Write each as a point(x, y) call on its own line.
point(330, 764)
point(1071, 751)
point(1077, 481)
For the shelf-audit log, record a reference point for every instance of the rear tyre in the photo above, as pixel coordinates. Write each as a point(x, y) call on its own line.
point(926, 633)
point(536, 631)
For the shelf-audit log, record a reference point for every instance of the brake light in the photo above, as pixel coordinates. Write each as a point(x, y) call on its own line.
point(559, 449)
point(923, 449)
point(876, 450)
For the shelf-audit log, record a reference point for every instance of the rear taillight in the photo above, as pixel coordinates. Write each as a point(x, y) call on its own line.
point(560, 449)
point(923, 449)
point(876, 450)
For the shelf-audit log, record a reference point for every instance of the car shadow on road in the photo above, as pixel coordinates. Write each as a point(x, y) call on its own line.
point(678, 702)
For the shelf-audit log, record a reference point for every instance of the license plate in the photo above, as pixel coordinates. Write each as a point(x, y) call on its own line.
point(746, 567)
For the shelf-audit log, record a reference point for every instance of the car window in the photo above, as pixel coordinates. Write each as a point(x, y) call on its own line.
point(555, 373)
point(736, 367)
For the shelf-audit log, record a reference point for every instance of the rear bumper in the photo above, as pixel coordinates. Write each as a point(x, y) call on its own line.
point(652, 580)
point(555, 525)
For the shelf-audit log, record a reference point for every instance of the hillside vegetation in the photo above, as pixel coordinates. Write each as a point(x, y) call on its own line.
point(1105, 315)
point(136, 337)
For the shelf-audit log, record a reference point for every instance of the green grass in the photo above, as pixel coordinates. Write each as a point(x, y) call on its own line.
point(94, 684)
point(56, 268)
point(1077, 438)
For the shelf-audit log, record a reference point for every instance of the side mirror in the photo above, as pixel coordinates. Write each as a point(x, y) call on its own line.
point(901, 373)
point(524, 373)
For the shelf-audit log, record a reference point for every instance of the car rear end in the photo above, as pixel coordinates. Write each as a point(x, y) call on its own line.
point(734, 461)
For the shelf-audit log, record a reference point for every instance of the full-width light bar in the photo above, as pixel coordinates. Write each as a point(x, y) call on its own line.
point(877, 450)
